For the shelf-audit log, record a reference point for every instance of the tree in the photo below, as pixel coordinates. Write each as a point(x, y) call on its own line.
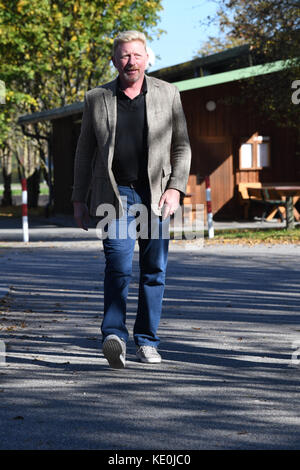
point(56, 49)
point(52, 51)
point(213, 45)
point(11, 137)
point(271, 28)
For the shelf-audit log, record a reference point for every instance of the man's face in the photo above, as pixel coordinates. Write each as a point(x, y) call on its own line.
point(130, 60)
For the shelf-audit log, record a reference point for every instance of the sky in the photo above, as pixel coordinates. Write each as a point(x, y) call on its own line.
point(184, 34)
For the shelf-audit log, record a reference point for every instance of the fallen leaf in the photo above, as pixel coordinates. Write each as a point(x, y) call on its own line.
point(11, 328)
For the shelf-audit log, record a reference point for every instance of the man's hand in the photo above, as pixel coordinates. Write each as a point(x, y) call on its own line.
point(81, 215)
point(169, 202)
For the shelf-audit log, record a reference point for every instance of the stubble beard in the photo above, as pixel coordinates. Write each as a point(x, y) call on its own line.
point(132, 79)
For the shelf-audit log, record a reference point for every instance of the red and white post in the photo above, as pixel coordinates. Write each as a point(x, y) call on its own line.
point(24, 211)
point(209, 209)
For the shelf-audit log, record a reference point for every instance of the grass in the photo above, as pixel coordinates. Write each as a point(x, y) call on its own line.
point(17, 190)
point(250, 236)
point(256, 235)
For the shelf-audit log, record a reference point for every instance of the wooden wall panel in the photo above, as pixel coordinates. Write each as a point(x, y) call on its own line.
point(215, 139)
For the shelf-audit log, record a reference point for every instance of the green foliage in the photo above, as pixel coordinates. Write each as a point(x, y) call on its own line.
point(272, 30)
point(214, 45)
point(52, 51)
point(270, 26)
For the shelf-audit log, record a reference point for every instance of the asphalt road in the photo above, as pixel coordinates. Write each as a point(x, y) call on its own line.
point(230, 336)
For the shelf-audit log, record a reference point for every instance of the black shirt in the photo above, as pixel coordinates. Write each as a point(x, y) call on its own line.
point(130, 156)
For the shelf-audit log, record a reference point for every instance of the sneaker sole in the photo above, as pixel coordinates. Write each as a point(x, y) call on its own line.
point(149, 361)
point(112, 350)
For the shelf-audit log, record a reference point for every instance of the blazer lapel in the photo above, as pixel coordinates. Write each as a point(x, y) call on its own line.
point(153, 101)
point(153, 107)
point(110, 98)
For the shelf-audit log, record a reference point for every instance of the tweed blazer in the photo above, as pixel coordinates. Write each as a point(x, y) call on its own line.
point(169, 152)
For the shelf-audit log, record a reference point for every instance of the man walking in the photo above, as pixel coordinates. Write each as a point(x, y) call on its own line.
point(133, 151)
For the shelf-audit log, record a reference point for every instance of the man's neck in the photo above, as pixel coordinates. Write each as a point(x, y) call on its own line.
point(132, 89)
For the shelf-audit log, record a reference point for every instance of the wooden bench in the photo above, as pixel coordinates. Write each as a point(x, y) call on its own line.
point(244, 197)
point(256, 194)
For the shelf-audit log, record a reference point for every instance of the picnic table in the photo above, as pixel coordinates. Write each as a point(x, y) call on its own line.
point(290, 193)
point(273, 197)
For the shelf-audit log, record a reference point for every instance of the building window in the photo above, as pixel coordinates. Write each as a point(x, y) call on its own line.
point(263, 154)
point(246, 156)
point(255, 153)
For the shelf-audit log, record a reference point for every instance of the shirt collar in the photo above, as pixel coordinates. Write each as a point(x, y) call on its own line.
point(121, 93)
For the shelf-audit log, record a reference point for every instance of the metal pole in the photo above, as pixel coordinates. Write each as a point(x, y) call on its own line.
point(24, 211)
point(209, 209)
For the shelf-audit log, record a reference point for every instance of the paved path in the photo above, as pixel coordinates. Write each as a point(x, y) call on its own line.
point(228, 332)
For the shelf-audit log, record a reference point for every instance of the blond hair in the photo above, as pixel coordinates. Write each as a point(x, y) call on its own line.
point(127, 36)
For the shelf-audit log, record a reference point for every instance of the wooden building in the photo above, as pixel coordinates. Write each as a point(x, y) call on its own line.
point(230, 142)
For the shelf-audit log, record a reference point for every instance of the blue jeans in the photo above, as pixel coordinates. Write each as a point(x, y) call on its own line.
point(153, 253)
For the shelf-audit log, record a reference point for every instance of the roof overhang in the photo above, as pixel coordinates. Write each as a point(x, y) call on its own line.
point(234, 75)
point(51, 114)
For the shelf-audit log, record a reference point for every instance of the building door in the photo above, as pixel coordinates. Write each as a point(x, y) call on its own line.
point(212, 156)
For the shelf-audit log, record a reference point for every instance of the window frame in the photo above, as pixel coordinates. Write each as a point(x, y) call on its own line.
point(255, 141)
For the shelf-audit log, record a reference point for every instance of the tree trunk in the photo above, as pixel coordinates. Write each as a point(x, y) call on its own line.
point(33, 188)
point(7, 194)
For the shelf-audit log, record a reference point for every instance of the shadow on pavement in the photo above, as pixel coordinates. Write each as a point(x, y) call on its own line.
point(226, 332)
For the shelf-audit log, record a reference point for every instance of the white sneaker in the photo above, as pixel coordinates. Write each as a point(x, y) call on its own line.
point(148, 354)
point(114, 350)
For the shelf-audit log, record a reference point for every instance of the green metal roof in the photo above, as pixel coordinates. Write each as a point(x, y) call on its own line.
point(233, 75)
